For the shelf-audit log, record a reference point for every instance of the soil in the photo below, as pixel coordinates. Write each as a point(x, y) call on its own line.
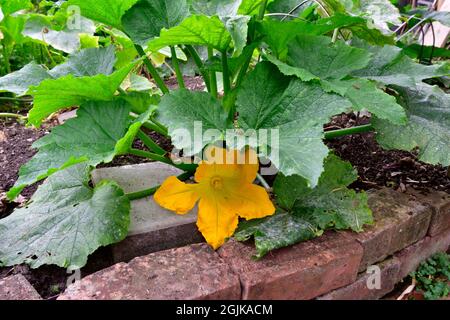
point(376, 168)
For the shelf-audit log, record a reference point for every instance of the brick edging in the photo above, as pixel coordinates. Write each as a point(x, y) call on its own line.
point(408, 227)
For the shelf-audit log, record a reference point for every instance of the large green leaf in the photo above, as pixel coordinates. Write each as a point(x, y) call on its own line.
point(68, 40)
point(365, 95)
point(65, 221)
point(316, 57)
point(428, 128)
point(389, 65)
point(183, 109)
point(222, 8)
point(145, 20)
point(109, 12)
point(382, 12)
point(19, 81)
point(88, 62)
point(100, 131)
point(304, 212)
point(10, 6)
point(298, 112)
point(53, 95)
point(195, 30)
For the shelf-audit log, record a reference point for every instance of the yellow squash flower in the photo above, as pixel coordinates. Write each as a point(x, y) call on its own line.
point(225, 192)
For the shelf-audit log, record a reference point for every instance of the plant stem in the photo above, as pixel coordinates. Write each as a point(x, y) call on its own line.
point(149, 143)
point(348, 131)
point(201, 67)
point(12, 115)
point(213, 84)
point(16, 99)
point(6, 58)
point(225, 73)
point(154, 127)
point(152, 70)
point(160, 158)
point(262, 9)
point(263, 182)
point(335, 35)
point(151, 191)
point(176, 65)
point(160, 125)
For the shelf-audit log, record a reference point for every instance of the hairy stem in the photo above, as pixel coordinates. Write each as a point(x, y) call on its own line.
point(149, 143)
point(348, 131)
point(225, 73)
point(176, 66)
point(152, 70)
point(12, 115)
point(151, 191)
point(201, 67)
point(262, 9)
point(160, 158)
point(213, 74)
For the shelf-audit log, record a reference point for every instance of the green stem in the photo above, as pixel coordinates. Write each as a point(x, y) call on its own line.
point(6, 58)
point(225, 73)
point(201, 67)
point(157, 157)
point(262, 9)
point(263, 182)
point(152, 70)
point(160, 125)
point(16, 99)
point(12, 115)
point(213, 74)
point(151, 191)
point(348, 131)
point(176, 66)
point(149, 143)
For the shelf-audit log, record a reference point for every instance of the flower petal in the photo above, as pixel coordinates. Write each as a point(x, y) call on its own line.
point(254, 202)
point(217, 221)
point(177, 196)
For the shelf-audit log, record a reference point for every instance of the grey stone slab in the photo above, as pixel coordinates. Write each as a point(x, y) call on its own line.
point(152, 228)
point(17, 288)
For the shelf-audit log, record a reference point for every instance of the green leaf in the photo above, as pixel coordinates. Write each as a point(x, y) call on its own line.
point(365, 95)
point(182, 109)
point(382, 12)
point(428, 128)
point(65, 221)
point(145, 20)
point(250, 7)
point(19, 81)
point(237, 26)
point(389, 65)
point(88, 62)
point(67, 40)
point(317, 57)
point(100, 131)
point(108, 12)
point(305, 213)
point(73, 91)
point(222, 8)
point(195, 30)
point(10, 6)
point(298, 112)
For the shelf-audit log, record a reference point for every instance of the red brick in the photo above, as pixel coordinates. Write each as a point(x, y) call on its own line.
point(192, 272)
point(399, 222)
point(412, 256)
point(440, 203)
point(302, 271)
point(359, 289)
point(17, 288)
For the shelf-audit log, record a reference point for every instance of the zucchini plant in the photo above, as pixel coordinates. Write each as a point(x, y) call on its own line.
point(277, 65)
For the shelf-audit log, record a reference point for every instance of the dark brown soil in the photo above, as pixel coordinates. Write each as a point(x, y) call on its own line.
point(377, 167)
point(192, 83)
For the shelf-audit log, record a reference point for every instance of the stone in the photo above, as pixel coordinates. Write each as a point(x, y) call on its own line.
point(302, 271)
point(17, 288)
point(440, 203)
point(412, 256)
point(399, 222)
point(194, 272)
point(362, 288)
point(152, 228)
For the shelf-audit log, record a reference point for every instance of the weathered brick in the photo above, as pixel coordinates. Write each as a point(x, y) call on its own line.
point(412, 256)
point(440, 203)
point(399, 222)
point(192, 272)
point(17, 288)
point(360, 290)
point(302, 271)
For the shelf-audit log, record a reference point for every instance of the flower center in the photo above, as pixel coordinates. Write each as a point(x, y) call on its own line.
point(216, 183)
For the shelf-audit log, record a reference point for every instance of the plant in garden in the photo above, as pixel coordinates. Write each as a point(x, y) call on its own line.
point(433, 276)
point(265, 70)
